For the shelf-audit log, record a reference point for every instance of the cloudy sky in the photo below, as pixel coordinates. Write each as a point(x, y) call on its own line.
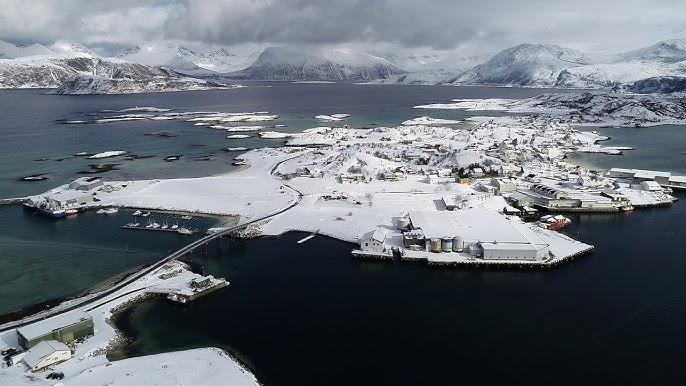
point(462, 25)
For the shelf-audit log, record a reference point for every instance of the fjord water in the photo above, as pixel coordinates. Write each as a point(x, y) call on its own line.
point(307, 313)
point(44, 259)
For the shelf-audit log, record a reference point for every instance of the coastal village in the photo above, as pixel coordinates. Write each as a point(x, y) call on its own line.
point(489, 191)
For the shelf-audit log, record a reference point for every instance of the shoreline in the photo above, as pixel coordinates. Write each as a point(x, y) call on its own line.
point(238, 169)
point(116, 349)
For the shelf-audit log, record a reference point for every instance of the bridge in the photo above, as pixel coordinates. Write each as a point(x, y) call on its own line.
point(91, 301)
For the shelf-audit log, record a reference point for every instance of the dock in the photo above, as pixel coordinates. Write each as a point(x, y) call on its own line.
point(179, 230)
point(430, 259)
point(185, 297)
point(307, 238)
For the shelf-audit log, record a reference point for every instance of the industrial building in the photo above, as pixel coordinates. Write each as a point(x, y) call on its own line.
point(481, 233)
point(85, 184)
point(46, 353)
point(63, 328)
point(555, 198)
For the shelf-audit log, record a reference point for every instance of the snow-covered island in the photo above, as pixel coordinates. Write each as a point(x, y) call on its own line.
point(444, 192)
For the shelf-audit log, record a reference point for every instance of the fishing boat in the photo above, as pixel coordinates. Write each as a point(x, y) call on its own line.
point(71, 212)
point(626, 208)
point(47, 210)
point(553, 222)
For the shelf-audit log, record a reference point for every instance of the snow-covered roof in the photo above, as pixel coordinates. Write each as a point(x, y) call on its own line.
point(474, 224)
point(679, 179)
point(42, 350)
point(378, 236)
point(43, 327)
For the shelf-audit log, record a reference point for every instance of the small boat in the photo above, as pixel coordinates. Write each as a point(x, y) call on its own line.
point(186, 217)
point(100, 211)
point(71, 212)
point(626, 208)
point(137, 213)
point(174, 227)
point(553, 222)
point(164, 226)
point(154, 225)
point(184, 231)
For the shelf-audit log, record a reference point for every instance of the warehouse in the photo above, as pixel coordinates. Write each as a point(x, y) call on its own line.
point(63, 328)
point(483, 234)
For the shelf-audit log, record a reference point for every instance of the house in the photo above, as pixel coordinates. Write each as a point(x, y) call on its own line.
point(476, 172)
point(504, 185)
point(352, 177)
point(47, 353)
point(374, 241)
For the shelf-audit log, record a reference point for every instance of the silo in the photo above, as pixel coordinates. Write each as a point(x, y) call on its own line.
point(458, 244)
point(436, 245)
point(447, 244)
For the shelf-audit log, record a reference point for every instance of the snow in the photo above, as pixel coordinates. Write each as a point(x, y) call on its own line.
point(204, 366)
point(430, 121)
point(332, 117)
point(275, 135)
point(108, 154)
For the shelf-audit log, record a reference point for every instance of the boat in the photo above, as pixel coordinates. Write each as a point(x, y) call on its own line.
point(164, 226)
point(154, 225)
point(184, 231)
point(50, 211)
point(146, 214)
point(174, 227)
point(626, 208)
point(553, 222)
point(137, 213)
point(111, 210)
point(71, 212)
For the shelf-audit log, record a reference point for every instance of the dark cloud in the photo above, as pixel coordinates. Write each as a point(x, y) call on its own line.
point(489, 25)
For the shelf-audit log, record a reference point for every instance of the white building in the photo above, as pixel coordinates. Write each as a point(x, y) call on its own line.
point(374, 241)
point(483, 233)
point(651, 186)
point(46, 353)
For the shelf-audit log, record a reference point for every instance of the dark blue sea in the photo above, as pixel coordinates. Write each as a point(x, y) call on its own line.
point(309, 314)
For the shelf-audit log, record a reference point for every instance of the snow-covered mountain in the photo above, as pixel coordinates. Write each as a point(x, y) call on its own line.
point(288, 63)
point(49, 67)
point(660, 84)
point(192, 62)
point(93, 84)
point(527, 65)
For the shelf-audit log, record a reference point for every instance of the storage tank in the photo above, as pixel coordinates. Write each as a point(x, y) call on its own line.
point(458, 244)
point(403, 223)
point(436, 245)
point(447, 244)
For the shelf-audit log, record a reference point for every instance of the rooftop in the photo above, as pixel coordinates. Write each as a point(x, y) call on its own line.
point(474, 224)
point(43, 327)
point(42, 350)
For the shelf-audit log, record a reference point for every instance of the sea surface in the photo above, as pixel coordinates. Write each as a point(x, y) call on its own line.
point(309, 314)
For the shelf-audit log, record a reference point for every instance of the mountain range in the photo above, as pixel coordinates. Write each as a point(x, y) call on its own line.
point(657, 68)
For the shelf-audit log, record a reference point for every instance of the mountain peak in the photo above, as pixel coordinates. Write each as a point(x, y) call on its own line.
point(71, 48)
